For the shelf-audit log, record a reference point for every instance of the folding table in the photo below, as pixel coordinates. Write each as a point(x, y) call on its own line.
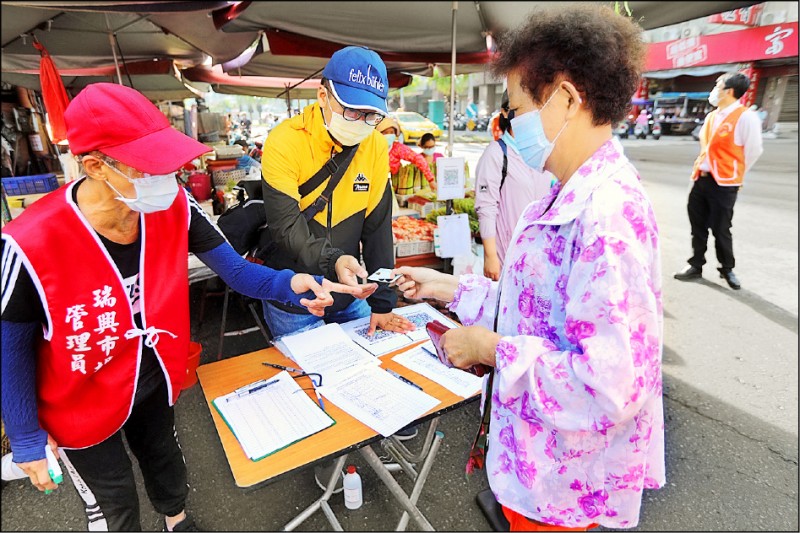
point(336, 442)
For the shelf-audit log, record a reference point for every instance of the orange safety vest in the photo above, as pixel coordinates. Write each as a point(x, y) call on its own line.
point(726, 157)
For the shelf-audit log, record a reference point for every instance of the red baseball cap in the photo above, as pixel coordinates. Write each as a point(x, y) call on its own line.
point(124, 125)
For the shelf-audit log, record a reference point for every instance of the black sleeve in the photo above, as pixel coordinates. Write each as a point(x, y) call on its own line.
point(20, 299)
point(204, 235)
point(289, 229)
point(377, 249)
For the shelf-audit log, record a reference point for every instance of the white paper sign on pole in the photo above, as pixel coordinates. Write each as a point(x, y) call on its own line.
point(449, 178)
point(454, 236)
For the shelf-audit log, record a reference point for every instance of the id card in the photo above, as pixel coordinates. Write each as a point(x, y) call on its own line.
point(383, 275)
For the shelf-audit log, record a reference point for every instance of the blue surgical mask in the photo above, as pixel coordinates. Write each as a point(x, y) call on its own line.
point(429, 151)
point(390, 139)
point(510, 141)
point(532, 143)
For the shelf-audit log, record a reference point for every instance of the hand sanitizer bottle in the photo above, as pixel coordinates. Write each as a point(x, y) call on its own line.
point(352, 488)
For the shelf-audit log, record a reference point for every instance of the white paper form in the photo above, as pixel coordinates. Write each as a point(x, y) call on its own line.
point(382, 342)
point(271, 414)
point(379, 400)
point(328, 351)
point(420, 314)
point(454, 236)
point(427, 364)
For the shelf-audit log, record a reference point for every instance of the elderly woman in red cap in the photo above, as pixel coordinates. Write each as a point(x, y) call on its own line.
point(95, 310)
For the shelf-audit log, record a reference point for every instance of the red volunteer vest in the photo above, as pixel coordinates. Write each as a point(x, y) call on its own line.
point(88, 361)
point(726, 157)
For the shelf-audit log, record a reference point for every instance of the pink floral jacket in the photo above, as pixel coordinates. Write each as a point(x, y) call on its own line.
point(577, 425)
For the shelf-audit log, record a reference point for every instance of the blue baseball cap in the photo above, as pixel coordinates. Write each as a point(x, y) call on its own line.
point(358, 78)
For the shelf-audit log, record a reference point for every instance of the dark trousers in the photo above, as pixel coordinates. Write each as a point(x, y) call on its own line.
point(711, 207)
point(103, 473)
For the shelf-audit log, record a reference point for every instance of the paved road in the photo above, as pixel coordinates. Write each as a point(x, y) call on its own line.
point(730, 375)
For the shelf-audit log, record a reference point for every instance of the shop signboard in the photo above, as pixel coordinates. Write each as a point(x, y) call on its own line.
point(745, 16)
point(753, 44)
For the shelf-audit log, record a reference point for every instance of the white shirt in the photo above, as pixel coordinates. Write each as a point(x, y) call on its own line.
point(747, 134)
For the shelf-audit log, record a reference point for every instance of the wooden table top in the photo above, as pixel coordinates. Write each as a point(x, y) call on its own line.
point(348, 434)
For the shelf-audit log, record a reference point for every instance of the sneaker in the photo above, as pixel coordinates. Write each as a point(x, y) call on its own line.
point(187, 524)
point(407, 433)
point(322, 474)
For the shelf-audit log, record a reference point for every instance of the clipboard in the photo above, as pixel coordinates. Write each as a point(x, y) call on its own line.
point(269, 415)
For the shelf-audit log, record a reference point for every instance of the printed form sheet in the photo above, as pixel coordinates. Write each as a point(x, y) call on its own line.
point(268, 415)
point(420, 314)
point(423, 360)
point(328, 351)
point(379, 400)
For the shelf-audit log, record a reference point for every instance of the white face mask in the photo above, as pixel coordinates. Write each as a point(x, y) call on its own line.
point(153, 192)
point(390, 139)
point(429, 151)
point(347, 132)
point(714, 96)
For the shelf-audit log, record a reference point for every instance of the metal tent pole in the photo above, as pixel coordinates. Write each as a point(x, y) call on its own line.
point(448, 209)
point(452, 84)
point(113, 50)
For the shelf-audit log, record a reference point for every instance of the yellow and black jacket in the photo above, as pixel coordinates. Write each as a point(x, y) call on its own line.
point(361, 205)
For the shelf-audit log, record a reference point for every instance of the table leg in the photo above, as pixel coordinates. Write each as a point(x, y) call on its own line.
point(224, 320)
point(421, 477)
point(397, 491)
point(322, 502)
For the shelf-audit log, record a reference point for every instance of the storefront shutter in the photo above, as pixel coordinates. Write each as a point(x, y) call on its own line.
point(789, 104)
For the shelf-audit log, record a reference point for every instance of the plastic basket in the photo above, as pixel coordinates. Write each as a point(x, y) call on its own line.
point(222, 177)
point(40, 183)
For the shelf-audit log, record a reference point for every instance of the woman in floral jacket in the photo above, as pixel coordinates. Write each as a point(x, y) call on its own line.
point(574, 326)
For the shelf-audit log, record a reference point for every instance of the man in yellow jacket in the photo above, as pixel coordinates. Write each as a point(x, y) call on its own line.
point(325, 232)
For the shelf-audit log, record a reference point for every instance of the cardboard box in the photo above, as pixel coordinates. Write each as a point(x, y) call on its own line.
point(423, 206)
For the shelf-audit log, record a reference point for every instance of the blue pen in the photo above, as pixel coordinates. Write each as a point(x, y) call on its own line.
point(404, 380)
point(432, 354)
point(319, 399)
point(254, 387)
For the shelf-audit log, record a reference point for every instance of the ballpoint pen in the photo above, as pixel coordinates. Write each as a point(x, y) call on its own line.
point(319, 399)
point(281, 367)
point(404, 380)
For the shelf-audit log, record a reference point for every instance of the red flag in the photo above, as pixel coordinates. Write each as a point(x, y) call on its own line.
point(53, 93)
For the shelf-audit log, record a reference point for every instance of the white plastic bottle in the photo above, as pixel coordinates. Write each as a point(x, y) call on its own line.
point(10, 469)
point(353, 497)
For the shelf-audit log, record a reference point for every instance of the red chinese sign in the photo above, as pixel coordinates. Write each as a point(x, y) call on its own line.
point(749, 98)
point(746, 16)
point(753, 44)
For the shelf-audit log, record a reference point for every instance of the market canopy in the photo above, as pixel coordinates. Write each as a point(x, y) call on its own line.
point(77, 34)
point(408, 35)
point(280, 39)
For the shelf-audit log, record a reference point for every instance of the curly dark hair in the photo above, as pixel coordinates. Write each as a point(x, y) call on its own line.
point(599, 51)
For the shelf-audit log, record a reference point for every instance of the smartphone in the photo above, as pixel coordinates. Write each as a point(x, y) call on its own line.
point(383, 275)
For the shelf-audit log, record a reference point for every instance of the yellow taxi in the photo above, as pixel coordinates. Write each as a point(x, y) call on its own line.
point(413, 126)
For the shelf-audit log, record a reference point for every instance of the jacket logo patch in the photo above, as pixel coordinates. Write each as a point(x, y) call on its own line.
point(360, 183)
